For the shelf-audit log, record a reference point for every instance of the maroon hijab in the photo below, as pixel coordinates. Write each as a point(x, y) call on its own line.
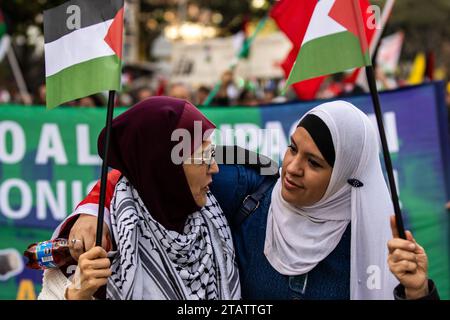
point(141, 149)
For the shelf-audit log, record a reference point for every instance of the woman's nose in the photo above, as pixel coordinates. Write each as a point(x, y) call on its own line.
point(295, 167)
point(213, 168)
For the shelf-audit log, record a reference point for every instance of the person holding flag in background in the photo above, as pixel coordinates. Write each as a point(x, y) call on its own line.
point(320, 230)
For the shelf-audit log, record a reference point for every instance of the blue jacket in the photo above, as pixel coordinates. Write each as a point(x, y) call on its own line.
point(330, 279)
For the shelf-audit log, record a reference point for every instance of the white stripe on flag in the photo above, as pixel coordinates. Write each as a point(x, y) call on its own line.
point(77, 47)
point(321, 24)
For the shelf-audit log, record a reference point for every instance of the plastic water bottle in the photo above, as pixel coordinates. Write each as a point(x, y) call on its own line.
point(48, 254)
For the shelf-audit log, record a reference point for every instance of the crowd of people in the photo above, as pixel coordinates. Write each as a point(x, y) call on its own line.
point(229, 91)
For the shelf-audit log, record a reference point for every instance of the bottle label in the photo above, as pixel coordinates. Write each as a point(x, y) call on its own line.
point(44, 254)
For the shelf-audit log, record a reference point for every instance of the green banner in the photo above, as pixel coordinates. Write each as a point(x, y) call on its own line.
point(48, 162)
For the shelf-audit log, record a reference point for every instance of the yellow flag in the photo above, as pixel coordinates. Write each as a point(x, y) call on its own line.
point(418, 70)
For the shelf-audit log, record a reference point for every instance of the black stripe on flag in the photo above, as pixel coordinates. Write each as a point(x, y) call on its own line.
point(91, 12)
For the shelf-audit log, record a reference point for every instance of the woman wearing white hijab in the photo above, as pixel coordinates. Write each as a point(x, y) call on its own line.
point(299, 236)
point(321, 231)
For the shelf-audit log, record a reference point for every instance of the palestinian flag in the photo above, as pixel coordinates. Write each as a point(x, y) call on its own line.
point(335, 41)
point(83, 49)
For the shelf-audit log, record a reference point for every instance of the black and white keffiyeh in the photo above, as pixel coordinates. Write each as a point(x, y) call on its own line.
point(155, 263)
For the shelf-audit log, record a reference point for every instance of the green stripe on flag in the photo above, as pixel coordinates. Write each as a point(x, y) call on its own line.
point(84, 79)
point(2, 29)
point(327, 55)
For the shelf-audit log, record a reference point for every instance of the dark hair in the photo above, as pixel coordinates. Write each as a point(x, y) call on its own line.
point(321, 135)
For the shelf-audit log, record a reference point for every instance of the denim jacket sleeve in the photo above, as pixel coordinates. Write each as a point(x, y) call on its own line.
point(232, 184)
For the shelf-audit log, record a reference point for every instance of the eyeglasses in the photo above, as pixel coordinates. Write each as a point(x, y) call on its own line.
point(207, 157)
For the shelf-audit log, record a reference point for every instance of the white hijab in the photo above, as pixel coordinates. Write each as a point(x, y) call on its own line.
point(297, 239)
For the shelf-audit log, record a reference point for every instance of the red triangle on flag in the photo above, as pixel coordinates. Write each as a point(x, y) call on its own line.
point(370, 36)
point(292, 17)
point(347, 13)
point(114, 36)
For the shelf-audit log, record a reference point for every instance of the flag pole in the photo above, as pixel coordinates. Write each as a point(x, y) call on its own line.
point(387, 158)
point(21, 84)
point(370, 74)
point(104, 174)
point(387, 10)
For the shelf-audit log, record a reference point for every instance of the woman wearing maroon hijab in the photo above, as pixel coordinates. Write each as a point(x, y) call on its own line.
point(141, 148)
point(171, 239)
